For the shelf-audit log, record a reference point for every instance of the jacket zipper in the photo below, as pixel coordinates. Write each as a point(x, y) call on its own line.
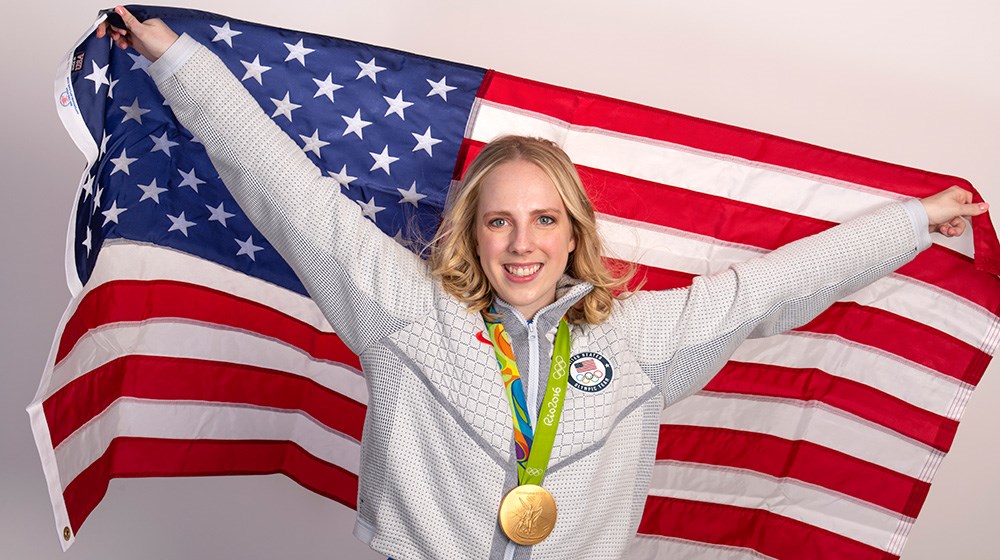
point(533, 372)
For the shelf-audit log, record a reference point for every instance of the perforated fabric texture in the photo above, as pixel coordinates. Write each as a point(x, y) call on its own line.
point(437, 454)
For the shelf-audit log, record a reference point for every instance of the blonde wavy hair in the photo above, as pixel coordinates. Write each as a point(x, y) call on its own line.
point(453, 257)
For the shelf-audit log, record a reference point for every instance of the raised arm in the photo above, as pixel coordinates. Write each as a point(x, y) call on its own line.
point(363, 281)
point(683, 337)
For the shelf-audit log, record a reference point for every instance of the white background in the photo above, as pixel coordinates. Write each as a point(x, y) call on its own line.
point(908, 81)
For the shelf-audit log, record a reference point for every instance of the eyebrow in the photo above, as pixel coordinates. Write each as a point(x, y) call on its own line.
point(535, 212)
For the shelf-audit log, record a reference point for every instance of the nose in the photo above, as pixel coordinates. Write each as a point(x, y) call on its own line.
point(522, 241)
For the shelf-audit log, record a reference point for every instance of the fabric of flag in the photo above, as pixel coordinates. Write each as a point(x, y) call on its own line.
point(191, 349)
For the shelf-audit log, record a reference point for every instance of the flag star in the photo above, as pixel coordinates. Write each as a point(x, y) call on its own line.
point(313, 143)
point(343, 178)
point(383, 160)
point(411, 195)
point(133, 112)
point(368, 69)
point(255, 70)
point(111, 214)
point(87, 241)
point(326, 87)
point(440, 88)
point(425, 141)
point(151, 191)
point(97, 198)
point(190, 180)
point(298, 52)
point(398, 238)
point(162, 143)
point(284, 107)
point(111, 89)
point(219, 214)
point(224, 33)
point(104, 142)
point(88, 186)
point(369, 209)
point(180, 223)
point(122, 162)
point(139, 62)
point(99, 76)
point(248, 248)
point(355, 124)
point(396, 105)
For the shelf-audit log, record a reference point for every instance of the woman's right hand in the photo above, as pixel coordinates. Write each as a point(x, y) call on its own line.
point(151, 38)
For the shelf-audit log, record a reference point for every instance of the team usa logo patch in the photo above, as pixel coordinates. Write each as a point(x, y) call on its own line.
point(590, 372)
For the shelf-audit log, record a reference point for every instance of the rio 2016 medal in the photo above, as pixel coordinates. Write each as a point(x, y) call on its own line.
point(527, 514)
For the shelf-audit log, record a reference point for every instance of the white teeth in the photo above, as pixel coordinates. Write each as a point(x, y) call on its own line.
point(522, 271)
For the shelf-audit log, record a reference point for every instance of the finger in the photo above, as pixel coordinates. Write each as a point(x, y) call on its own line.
point(975, 208)
point(130, 22)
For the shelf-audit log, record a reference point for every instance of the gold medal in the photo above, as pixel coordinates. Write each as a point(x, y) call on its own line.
point(527, 514)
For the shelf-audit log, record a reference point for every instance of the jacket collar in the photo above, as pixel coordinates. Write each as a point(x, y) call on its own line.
point(569, 290)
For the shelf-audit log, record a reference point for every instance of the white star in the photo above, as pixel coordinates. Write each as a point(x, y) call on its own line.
point(99, 76)
point(180, 223)
point(396, 105)
point(369, 209)
point(342, 178)
point(87, 241)
point(122, 162)
point(97, 198)
point(151, 191)
point(248, 248)
point(383, 160)
point(298, 52)
point(440, 88)
point(139, 62)
point(162, 143)
point(104, 141)
point(368, 69)
point(313, 143)
point(224, 33)
point(411, 195)
point(111, 89)
point(284, 107)
point(88, 186)
point(190, 180)
point(219, 214)
point(425, 142)
point(133, 112)
point(355, 124)
point(111, 214)
point(326, 87)
point(255, 70)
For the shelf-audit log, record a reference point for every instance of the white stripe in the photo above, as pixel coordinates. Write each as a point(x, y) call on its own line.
point(890, 374)
point(786, 497)
point(194, 420)
point(672, 249)
point(816, 423)
point(203, 342)
point(127, 260)
point(701, 171)
point(655, 547)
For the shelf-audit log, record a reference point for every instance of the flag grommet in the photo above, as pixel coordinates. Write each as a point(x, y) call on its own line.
point(67, 533)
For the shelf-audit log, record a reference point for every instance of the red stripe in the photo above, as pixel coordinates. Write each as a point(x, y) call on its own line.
point(130, 457)
point(140, 300)
point(771, 534)
point(903, 337)
point(742, 378)
point(798, 459)
point(169, 378)
point(757, 226)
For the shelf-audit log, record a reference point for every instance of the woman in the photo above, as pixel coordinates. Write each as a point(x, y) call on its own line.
point(516, 254)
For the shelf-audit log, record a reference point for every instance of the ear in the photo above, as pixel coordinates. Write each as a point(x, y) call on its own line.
point(572, 243)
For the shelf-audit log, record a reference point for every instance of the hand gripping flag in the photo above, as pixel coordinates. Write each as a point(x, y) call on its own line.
point(191, 349)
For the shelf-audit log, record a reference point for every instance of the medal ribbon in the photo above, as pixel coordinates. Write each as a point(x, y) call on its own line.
point(534, 448)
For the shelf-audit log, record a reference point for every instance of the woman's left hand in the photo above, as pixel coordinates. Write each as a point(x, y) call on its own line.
point(947, 210)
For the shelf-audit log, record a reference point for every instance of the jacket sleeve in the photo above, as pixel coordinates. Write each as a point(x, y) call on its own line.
point(364, 282)
point(683, 337)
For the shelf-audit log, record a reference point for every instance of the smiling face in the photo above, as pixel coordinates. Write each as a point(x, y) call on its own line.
point(523, 235)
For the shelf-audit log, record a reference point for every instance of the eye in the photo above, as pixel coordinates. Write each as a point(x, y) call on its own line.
point(546, 220)
point(497, 222)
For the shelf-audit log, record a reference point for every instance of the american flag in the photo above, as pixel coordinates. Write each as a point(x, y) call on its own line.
point(191, 349)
